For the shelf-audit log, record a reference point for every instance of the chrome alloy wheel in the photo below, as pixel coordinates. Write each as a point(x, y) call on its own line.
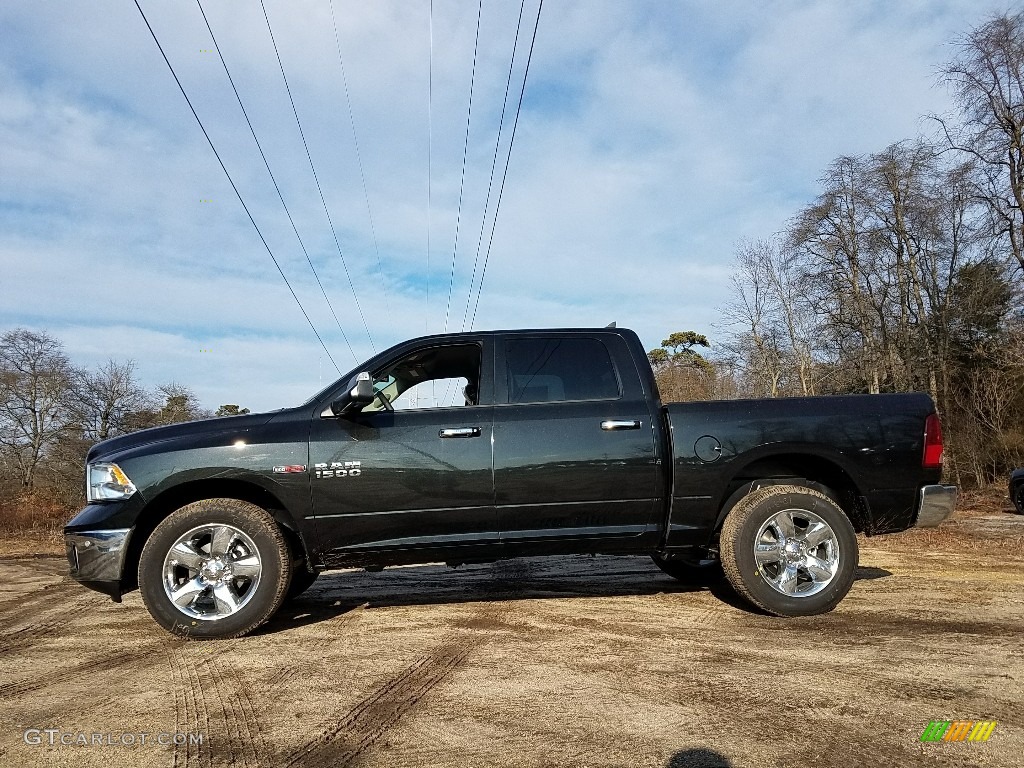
point(211, 572)
point(797, 553)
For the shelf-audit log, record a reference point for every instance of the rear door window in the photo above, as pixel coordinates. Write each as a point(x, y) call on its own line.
point(547, 370)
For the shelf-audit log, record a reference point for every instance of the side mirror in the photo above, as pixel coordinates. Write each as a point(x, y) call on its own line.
point(361, 394)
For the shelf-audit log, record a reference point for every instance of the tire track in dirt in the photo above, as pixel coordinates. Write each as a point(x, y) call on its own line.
point(76, 689)
point(345, 742)
point(78, 672)
point(310, 640)
point(372, 717)
point(214, 701)
point(241, 720)
point(50, 625)
point(191, 710)
point(43, 594)
point(251, 719)
point(281, 675)
point(178, 694)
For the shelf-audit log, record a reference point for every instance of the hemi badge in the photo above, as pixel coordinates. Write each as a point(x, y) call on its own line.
point(291, 469)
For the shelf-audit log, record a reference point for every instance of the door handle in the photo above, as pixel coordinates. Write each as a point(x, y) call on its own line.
point(460, 432)
point(614, 424)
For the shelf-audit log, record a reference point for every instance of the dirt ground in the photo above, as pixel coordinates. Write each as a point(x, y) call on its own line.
point(574, 661)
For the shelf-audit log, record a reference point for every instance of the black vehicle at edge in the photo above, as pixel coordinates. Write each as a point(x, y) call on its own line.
point(1017, 490)
point(563, 446)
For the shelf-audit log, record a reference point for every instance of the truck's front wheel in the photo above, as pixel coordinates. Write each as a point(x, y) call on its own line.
point(216, 568)
point(789, 550)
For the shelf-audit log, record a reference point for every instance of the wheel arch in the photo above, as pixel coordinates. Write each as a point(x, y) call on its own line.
point(175, 497)
point(820, 473)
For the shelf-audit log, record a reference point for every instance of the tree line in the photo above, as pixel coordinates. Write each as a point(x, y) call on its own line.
point(52, 412)
point(903, 274)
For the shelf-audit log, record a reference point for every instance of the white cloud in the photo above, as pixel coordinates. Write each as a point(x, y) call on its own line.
point(654, 137)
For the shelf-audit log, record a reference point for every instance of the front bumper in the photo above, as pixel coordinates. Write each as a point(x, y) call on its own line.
point(96, 558)
point(935, 504)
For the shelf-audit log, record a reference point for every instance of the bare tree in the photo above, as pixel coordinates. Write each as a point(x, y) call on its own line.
point(780, 305)
point(179, 404)
point(987, 78)
point(840, 276)
point(36, 399)
point(108, 397)
point(759, 341)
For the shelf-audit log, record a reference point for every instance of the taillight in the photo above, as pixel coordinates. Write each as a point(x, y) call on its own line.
point(932, 458)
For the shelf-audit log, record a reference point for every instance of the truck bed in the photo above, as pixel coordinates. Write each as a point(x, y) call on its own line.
point(719, 447)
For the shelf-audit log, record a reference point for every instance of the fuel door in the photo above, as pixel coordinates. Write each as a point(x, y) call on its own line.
point(708, 449)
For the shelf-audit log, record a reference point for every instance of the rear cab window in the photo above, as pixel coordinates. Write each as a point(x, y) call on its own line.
point(559, 369)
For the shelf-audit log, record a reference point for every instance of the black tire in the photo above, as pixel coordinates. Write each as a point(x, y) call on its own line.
point(302, 579)
point(1018, 501)
point(224, 594)
point(696, 574)
point(758, 520)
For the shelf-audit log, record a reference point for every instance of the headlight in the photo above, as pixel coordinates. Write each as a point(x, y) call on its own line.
point(107, 482)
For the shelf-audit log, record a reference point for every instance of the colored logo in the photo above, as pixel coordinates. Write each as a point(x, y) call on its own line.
point(958, 730)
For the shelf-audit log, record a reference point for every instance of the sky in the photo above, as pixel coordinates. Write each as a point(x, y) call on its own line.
point(653, 138)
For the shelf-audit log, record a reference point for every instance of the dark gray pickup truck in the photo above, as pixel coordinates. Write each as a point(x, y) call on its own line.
point(559, 444)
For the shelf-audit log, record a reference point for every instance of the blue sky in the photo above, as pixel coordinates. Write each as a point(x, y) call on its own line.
point(654, 137)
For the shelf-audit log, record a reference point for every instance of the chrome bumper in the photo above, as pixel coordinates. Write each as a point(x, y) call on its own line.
point(97, 555)
point(935, 505)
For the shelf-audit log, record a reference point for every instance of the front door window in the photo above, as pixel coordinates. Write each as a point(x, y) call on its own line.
point(439, 377)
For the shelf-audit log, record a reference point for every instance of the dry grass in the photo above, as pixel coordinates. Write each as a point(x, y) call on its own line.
point(20, 546)
point(955, 535)
point(965, 530)
point(988, 501)
point(32, 524)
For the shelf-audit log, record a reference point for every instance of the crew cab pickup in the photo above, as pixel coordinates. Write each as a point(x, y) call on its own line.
point(556, 442)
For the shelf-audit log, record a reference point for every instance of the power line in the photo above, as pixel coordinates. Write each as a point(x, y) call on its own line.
point(462, 183)
point(280, 196)
point(508, 158)
point(309, 157)
point(232, 182)
point(359, 159)
point(465, 150)
point(494, 163)
point(430, 143)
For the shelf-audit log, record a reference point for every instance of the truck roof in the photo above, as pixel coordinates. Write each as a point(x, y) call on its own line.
point(526, 331)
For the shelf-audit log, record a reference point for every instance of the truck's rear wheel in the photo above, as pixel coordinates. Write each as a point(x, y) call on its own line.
point(216, 568)
point(789, 550)
point(694, 573)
